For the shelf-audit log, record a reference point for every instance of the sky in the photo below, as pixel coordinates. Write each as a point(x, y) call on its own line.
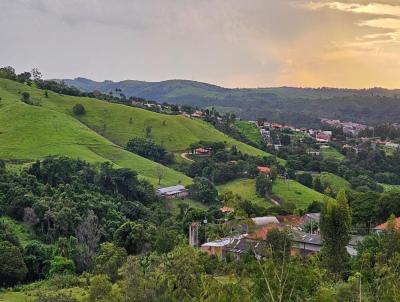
point(232, 43)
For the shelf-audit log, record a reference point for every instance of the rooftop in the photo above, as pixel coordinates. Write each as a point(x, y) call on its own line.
point(384, 226)
point(171, 190)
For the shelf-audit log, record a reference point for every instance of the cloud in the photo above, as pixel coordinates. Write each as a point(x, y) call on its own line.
point(227, 42)
point(367, 8)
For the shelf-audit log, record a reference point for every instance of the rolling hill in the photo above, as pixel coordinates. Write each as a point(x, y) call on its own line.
point(119, 123)
point(31, 132)
point(298, 106)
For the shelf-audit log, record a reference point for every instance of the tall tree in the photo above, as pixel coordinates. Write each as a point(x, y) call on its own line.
point(335, 224)
point(87, 235)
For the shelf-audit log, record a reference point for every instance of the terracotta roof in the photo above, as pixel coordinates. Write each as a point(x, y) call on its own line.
point(293, 220)
point(384, 226)
point(226, 210)
point(263, 169)
point(261, 233)
point(202, 150)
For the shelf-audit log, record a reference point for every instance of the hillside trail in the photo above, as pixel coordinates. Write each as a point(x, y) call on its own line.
point(184, 156)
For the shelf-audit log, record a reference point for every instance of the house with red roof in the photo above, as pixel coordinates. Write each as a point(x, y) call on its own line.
point(383, 227)
point(263, 169)
point(202, 151)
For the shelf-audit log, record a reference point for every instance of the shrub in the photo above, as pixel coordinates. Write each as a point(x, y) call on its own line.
point(12, 266)
point(78, 109)
point(59, 297)
point(61, 265)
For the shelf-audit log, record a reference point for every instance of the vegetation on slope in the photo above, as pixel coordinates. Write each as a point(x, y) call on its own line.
point(31, 132)
point(119, 123)
point(294, 192)
point(250, 131)
point(334, 181)
point(299, 106)
point(245, 188)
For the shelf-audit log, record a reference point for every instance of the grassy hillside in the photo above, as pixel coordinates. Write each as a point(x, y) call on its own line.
point(31, 132)
point(119, 123)
point(298, 106)
point(390, 188)
point(288, 191)
point(250, 131)
point(334, 181)
point(332, 153)
point(246, 188)
point(294, 192)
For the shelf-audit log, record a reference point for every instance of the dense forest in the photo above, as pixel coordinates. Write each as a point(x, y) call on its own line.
point(107, 224)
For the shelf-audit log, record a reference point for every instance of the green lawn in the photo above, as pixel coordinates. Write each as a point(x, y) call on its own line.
point(390, 188)
point(30, 132)
point(246, 188)
point(249, 130)
point(22, 233)
point(173, 204)
point(334, 181)
point(28, 293)
point(294, 192)
point(333, 153)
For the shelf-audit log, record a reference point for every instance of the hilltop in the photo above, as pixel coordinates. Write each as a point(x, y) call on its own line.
point(299, 106)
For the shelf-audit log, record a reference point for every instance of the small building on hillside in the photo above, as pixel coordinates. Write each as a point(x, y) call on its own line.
point(263, 169)
point(323, 137)
point(308, 217)
point(305, 243)
point(178, 191)
point(201, 151)
point(217, 247)
point(383, 227)
point(226, 210)
point(198, 114)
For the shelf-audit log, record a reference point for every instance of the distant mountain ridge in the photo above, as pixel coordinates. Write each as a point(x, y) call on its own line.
point(299, 106)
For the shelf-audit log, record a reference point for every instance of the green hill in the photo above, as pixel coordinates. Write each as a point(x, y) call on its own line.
point(296, 193)
point(298, 106)
point(31, 132)
point(119, 123)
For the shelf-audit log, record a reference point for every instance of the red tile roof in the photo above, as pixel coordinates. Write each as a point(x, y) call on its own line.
point(226, 210)
point(384, 226)
point(261, 233)
point(293, 220)
point(262, 169)
point(202, 151)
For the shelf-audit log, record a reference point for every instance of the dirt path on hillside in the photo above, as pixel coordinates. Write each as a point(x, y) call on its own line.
point(274, 201)
point(184, 156)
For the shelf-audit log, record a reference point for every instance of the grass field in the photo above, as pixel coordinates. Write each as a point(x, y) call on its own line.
point(246, 188)
point(29, 293)
point(294, 192)
point(390, 188)
point(332, 153)
point(334, 181)
point(22, 233)
point(173, 204)
point(119, 123)
point(249, 130)
point(30, 132)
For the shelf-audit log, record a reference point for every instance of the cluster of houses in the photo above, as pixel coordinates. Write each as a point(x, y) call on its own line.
point(348, 128)
point(255, 230)
point(265, 128)
point(357, 145)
